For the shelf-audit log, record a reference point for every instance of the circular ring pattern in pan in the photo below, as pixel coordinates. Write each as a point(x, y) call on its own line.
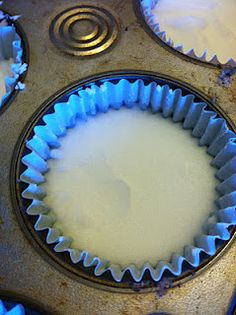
point(103, 30)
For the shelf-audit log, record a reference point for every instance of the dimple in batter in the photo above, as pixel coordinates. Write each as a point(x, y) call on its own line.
point(200, 24)
point(130, 187)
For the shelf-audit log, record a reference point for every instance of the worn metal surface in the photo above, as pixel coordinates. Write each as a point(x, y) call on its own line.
point(22, 269)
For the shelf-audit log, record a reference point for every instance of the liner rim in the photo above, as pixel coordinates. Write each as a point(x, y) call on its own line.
point(16, 309)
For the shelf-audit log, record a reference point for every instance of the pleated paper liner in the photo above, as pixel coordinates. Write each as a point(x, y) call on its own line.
point(12, 46)
point(15, 304)
point(143, 91)
point(17, 309)
point(146, 7)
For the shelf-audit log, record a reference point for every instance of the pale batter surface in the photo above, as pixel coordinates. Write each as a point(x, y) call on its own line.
point(5, 70)
point(201, 25)
point(130, 187)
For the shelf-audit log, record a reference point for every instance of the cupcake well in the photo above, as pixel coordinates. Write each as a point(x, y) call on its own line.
point(11, 47)
point(146, 7)
point(205, 125)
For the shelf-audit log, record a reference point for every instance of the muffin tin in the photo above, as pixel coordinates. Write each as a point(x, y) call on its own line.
point(56, 285)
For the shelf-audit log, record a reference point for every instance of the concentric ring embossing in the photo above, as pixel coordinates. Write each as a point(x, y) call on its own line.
point(103, 34)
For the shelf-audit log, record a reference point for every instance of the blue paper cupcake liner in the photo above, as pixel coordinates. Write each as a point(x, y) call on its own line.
point(147, 6)
point(10, 47)
point(15, 310)
point(205, 125)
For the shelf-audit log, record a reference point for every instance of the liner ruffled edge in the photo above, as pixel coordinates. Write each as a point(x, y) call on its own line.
point(17, 309)
point(10, 47)
point(147, 6)
point(205, 125)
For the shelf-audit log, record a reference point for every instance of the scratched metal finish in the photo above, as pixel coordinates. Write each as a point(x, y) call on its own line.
point(22, 269)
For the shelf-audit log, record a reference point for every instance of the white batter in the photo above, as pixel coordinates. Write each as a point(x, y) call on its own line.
point(130, 186)
point(200, 24)
point(5, 70)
